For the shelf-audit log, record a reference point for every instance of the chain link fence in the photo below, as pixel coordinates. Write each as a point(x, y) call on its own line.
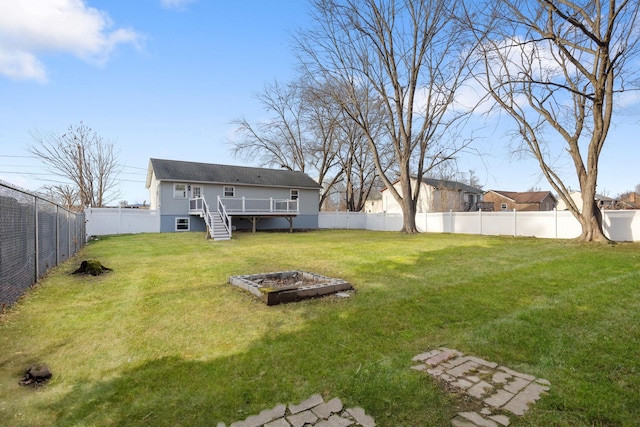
point(35, 235)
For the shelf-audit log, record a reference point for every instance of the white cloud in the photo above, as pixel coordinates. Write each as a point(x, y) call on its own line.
point(175, 4)
point(21, 66)
point(32, 27)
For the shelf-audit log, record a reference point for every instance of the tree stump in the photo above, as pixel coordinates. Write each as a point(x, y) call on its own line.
point(36, 375)
point(92, 267)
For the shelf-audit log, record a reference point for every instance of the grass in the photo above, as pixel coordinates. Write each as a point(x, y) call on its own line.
point(164, 340)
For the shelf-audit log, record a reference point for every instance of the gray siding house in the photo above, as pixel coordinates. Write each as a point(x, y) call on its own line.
point(193, 196)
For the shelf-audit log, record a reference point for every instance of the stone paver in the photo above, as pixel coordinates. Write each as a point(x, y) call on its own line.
point(498, 390)
point(313, 412)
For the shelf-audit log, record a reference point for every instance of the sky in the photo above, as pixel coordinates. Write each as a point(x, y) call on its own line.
point(166, 78)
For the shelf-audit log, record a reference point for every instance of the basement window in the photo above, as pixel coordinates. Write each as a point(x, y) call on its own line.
point(182, 224)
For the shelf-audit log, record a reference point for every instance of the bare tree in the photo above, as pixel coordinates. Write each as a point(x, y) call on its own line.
point(300, 134)
point(84, 158)
point(63, 194)
point(557, 65)
point(279, 141)
point(407, 58)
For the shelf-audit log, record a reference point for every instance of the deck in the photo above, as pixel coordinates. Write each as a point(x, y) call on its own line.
point(250, 208)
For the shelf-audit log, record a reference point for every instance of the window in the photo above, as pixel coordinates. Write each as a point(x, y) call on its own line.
point(179, 191)
point(293, 195)
point(503, 206)
point(229, 191)
point(182, 224)
point(196, 191)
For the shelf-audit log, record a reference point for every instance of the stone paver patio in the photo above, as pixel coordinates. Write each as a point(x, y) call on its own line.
point(497, 392)
point(312, 412)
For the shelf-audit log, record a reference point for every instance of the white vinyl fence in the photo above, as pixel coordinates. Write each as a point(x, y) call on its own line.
point(623, 225)
point(103, 221)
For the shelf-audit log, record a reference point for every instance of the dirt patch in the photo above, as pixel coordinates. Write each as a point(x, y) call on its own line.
point(298, 280)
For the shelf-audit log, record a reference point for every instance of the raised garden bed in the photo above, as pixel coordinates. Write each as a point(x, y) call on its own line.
point(289, 286)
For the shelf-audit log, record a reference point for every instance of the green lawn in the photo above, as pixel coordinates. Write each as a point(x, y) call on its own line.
point(164, 340)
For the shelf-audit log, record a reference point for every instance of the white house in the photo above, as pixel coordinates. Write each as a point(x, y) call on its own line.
point(437, 195)
point(604, 202)
point(193, 196)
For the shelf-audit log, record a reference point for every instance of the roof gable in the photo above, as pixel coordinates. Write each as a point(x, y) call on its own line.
point(451, 185)
point(175, 170)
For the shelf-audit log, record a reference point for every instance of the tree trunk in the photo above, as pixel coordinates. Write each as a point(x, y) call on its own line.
point(409, 216)
point(591, 221)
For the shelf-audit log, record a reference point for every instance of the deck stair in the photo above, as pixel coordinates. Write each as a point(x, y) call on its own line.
point(217, 229)
point(217, 221)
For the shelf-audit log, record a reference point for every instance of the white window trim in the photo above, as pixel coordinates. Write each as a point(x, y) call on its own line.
point(224, 191)
point(503, 206)
point(175, 184)
point(193, 190)
point(291, 194)
point(177, 219)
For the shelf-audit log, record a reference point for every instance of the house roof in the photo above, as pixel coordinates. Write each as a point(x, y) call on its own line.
point(443, 183)
point(524, 197)
point(451, 185)
point(208, 173)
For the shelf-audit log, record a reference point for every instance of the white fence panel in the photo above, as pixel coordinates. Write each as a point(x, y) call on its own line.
point(498, 223)
point(432, 223)
point(622, 225)
point(567, 226)
point(465, 222)
point(103, 221)
point(384, 222)
point(343, 220)
point(618, 225)
point(535, 224)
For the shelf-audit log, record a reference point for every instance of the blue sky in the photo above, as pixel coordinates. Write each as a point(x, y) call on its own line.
point(164, 78)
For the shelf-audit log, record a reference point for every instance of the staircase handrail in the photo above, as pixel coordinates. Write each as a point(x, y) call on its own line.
point(226, 220)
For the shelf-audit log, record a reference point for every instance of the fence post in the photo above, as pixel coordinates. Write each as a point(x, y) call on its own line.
point(69, 251)
point(555, 222)
point(426, 214)
point(119, 219)
point(37, 237)
point(515, 223)
point(450, 220)
point(480, 214)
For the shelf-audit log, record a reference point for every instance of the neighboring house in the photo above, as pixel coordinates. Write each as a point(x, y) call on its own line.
point(604, 202)
point(373, 204)
point(437, 195)
point(629, 201)
point(194, 196)
point(521, 201)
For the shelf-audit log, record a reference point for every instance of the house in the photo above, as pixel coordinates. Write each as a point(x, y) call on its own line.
point(629, 201)
point(193, 196)
point(603, 202)
point(521, 201)
point(374, 204)
point(437, 195)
